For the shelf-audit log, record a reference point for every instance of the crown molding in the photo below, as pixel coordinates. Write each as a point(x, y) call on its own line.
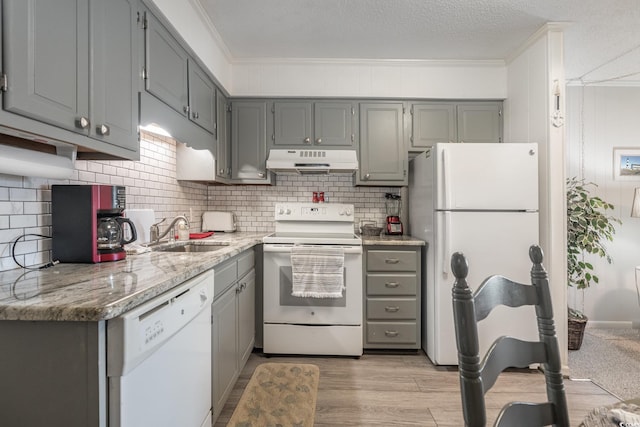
point(217, 38)
point(547, 28)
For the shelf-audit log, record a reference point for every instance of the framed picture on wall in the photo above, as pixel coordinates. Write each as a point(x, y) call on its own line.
point(626, 164)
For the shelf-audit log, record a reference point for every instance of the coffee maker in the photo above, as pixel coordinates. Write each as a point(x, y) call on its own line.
point(392, 204)
point(87, 223)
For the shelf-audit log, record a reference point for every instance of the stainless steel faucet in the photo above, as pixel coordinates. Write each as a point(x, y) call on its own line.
point(155, 231)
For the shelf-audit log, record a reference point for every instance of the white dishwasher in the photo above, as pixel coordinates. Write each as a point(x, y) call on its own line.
point(159, 359)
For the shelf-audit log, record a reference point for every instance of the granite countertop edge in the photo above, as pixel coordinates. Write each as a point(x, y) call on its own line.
point(391, 240)
point(96, 292)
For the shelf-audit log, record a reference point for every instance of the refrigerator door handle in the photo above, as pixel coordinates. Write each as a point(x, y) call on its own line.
point(446, 178)
point(446, 241)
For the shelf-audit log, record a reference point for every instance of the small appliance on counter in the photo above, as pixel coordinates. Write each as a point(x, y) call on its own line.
point(88, 224)
point(392, 204)
point(219, 221)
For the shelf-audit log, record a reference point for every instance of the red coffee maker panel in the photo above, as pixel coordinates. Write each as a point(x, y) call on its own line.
point(87, 223)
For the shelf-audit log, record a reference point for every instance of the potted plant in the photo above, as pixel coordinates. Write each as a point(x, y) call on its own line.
point(589, 227)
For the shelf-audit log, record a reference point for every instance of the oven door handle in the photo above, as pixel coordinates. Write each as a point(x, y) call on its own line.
point(285, 247)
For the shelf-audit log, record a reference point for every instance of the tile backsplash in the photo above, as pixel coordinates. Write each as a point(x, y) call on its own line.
point(151, 183)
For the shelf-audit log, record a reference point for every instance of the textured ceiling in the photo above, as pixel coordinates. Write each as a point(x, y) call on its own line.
point(598, 36)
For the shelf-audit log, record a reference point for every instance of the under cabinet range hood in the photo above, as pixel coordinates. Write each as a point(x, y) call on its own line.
point(312, 162)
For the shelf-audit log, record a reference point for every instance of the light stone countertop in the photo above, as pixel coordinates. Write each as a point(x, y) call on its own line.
point(94, 292)
point(392, 240)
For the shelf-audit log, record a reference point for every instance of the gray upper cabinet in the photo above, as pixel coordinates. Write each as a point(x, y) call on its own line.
point(202, 98)
point(383, 155)
point(479, 122)
point(318, 124)
point(73, 65)
point(223, 137)
point(465, 122)
point(47, 62)
point(166, 71)
point(249, 142)
point(116, 65)
point(432, 123)
point(175, 78)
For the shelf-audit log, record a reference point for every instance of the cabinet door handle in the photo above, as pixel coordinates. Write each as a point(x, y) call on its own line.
point(319, 141)
point(367, 176)
point(260, 174)
point(392, 309)
point(391, 333)
point(82, 122)
point(195, 115)
point(221, 172)
point(307, 140)
point(391, 284)
point(103, 130)
point(186, 109)
point(392, 260)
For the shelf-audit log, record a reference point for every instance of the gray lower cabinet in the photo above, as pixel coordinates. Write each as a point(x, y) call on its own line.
point(465, 122)
point(382, 151)
point(392, 297)
point(314, 124)
point(233, 324)
point(53, 373)
point(74, 65)
point(249, 142)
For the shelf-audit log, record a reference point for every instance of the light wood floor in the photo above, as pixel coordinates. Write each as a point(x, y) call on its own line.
point(407, 390)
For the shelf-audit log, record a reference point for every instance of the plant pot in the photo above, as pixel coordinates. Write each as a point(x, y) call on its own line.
point(576, 332)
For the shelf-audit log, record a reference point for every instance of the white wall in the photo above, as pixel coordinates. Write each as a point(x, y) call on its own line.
point(339, 78)
point(191, 22)
point(531, 77)
point(602, 118)
point(371, 79)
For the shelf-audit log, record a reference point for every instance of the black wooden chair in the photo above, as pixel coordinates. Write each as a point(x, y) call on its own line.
point(478, 376)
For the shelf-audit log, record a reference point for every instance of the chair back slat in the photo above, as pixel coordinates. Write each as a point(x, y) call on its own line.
point(498, 290)
point(508, 352)
point(525, 414)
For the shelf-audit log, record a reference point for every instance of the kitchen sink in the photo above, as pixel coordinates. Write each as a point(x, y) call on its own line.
point(193, 247)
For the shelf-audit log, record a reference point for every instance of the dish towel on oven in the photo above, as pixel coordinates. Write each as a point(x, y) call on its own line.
point(318, 272)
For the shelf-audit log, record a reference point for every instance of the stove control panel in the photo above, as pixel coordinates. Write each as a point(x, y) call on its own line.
point(314, 212)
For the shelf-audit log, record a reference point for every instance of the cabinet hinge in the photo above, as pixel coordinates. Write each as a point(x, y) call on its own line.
point(228, 107)
point(500, 113)
point(411, 139)
point(500, 139)
point(144, 22)
point(145, 76)
point(353, 112)
point(403, 110)
point(273, 109)
point(353, 138)
point(411, 110)
point(273, 136)
point(4, 83)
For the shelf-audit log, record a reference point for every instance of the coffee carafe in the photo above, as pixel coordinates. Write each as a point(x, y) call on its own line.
point(87, 223)
point(110, 236)
point(393, 206)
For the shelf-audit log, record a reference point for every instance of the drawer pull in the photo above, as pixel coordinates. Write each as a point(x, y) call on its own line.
point(392, 284)
point(392, 309)
point(391, 333)
point(392, 260)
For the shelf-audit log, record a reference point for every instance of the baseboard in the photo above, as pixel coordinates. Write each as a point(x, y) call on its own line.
point(606, 324)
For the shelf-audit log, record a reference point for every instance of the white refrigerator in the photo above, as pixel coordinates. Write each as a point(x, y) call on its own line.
point(481, 200)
